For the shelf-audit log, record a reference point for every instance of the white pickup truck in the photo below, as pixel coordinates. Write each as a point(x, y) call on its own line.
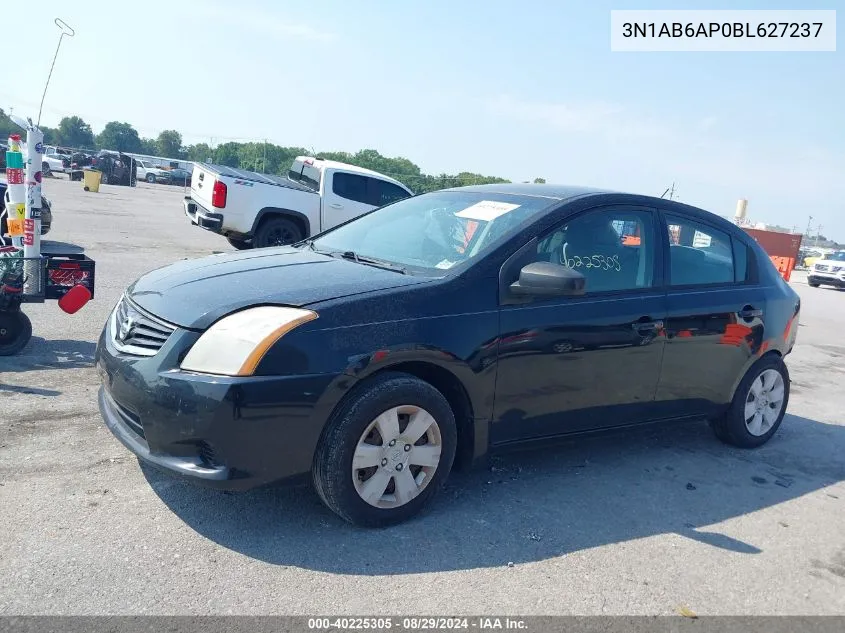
point(255, 210)
point(145, 170)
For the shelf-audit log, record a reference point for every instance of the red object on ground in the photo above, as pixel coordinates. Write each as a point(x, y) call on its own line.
point(782, 248)
point(74, 299)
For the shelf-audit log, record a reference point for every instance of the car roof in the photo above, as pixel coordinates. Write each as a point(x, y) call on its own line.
point(553, 192)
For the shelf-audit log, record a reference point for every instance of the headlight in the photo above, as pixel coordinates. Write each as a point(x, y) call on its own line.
point(236, 343)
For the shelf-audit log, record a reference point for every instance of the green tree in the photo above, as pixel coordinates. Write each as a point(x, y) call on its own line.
point(200, 153)
point(539, 181)
point(76, 133)
point(227, 154)
point(148, 147)
point(169, 144)
point(120, 137)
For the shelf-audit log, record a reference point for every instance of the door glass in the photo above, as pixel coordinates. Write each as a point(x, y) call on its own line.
point(613, 249)
point(350, 186)
point(386, 192)
point(699, 254)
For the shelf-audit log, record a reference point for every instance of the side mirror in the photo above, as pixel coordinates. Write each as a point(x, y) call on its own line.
point(544, 279)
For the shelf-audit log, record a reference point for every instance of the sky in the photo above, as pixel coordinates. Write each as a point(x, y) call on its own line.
point(512, 89)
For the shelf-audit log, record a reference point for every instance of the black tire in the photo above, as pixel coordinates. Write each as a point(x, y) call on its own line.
point(332, 471)
point(151, 179)
point(731, 427)
point(241, 245)
point(813, 284)
point(104, 178)
point(276, 231)
point(15, 332)
point(45, 169)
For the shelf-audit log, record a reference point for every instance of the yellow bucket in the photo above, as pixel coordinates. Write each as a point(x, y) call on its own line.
point(91, 180)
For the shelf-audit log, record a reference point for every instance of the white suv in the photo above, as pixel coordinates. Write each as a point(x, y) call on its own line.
point(828, 271)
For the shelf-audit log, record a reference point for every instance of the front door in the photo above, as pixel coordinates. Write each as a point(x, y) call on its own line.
point(569, 364)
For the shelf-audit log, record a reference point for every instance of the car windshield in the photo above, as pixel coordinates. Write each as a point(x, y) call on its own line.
point(432, 232)
point(836, 257)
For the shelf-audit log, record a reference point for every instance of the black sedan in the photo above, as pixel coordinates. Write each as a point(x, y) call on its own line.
point(434, 331)
point(176, 176)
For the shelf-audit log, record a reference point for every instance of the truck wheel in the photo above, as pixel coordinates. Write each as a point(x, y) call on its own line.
point(151, 178)
point(104, 178)
point(276, 232)
point(45, 169)
point(15, 332)
point(239, 244)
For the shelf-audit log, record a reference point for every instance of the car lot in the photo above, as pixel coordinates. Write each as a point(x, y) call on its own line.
point(647, 522)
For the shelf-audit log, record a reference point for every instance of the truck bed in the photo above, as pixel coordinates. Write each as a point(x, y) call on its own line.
point(252, 176)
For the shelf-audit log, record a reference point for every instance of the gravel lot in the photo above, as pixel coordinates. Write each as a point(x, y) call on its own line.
point(649, 522)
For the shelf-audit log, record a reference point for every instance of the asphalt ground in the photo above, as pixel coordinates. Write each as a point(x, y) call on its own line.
point(654, 521)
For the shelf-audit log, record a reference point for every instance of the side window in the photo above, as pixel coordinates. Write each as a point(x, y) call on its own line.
point(740, 253)
point(351, 187)
point(699, 254)
point(613, 249)
point(386, 192)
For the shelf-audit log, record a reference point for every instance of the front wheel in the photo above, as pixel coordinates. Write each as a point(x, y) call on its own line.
point(813, 284)
point(104, 178)
point(15, 332)
point(386, 452)
point(151, 178)
point(758, 406)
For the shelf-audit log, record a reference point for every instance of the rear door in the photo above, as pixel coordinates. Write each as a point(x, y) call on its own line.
point(346, 196)
point(715, 316)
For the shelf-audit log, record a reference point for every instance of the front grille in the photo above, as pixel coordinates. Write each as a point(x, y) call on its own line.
point(130, 419)
point(137, 332)
point(822, 268)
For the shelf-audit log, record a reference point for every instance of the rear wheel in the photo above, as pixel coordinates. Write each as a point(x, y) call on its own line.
point(386, 452)
point(276, 231)
point(151, 178)
point(104, 178)
point(45, 169)
point(239, 244)
point(758, 406)
point(15, 332)
point(813, 284)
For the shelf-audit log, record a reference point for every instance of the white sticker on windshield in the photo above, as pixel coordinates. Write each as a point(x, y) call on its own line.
point(445, 264)
point(487, 210)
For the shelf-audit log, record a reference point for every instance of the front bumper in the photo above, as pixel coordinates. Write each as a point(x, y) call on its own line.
point(202, 217)
point(227, 433)
point(826, 279)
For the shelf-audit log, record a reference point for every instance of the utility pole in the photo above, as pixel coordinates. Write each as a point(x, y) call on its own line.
point(264, 161)
point(808, 226)
point(818, 234)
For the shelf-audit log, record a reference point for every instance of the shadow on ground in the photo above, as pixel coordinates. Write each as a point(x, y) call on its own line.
point(49, 247)
point(41, 353)
point(536, 505)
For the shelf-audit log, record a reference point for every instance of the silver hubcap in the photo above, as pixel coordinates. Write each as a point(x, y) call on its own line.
point(764, 402)
point(396, 456)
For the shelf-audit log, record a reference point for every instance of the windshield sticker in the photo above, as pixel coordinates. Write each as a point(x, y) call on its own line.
point(487, 210)
point(445, 264)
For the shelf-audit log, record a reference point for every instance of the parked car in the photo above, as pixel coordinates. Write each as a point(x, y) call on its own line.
point(369, 359)
point(176, 176)
point(145, 170)
point(46, 212)
point(259, 210)
point(828, 270)
point(116, 168)
point(54, 161)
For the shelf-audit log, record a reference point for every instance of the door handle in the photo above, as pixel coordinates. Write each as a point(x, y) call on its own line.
point(335, 205)
point(647, 326)
point(750, 312)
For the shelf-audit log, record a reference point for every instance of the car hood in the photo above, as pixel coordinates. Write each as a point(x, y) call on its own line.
point(829, 262)
point(195, 293)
